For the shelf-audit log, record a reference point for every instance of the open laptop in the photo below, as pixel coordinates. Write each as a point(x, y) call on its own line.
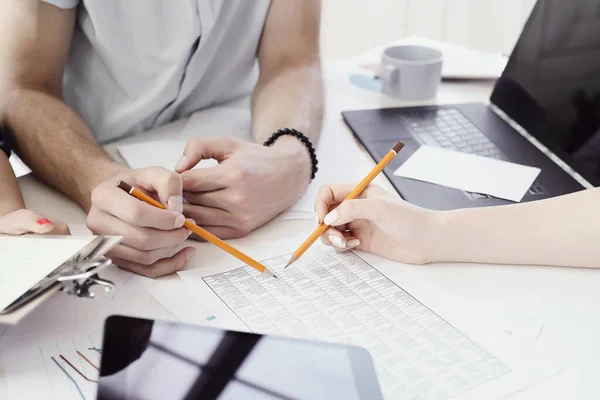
point(550, 89)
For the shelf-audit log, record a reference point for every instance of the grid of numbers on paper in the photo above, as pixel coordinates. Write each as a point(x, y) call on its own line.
point(339, 297)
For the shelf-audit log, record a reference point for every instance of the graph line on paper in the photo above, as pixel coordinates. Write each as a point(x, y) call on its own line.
point(48, 376)
point(336, 297)
point(77, 370)
point(121, 287)
point(45, 365)
point(99, 351)
point(88, 360)
point(69, 376)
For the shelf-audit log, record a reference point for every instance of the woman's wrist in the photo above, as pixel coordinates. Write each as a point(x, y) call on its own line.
point(11, 200)
point(9, 208)
point(445, 238)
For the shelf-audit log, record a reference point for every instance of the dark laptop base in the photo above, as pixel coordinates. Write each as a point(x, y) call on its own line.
point(378, 130)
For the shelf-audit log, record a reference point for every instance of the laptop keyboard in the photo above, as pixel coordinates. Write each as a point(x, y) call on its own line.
point(450, 129)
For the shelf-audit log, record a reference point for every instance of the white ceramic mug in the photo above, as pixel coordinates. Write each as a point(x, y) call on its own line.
point(411, 72)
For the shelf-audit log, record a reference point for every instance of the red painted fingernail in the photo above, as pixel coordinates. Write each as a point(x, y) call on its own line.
point(43, 221)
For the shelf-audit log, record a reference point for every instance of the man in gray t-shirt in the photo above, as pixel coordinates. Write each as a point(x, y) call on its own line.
point(98, 70)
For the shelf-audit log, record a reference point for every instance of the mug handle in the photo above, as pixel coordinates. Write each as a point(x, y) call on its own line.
point(391, 75)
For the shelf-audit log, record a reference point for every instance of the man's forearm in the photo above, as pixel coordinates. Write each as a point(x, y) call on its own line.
point(562, 231)
point(290, 98)
point(56, 144)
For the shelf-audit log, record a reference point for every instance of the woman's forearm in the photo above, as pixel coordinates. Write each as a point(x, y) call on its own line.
point(562, 231)
point(10, 193)
point(14, 26)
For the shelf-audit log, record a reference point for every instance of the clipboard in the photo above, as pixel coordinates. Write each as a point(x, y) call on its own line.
point(78, 276)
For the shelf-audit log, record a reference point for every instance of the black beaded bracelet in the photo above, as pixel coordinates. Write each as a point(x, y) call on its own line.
point(303, 139)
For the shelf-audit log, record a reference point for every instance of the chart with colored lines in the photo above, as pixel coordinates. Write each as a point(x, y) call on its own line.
point(62, 370)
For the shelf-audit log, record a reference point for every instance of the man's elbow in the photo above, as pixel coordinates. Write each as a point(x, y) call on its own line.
point(46, 87)
point(21, 93)
point(22, 100)
point(277, 62)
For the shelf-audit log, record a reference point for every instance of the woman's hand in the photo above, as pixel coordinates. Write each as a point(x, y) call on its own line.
point(377, 223)
point(24, 221)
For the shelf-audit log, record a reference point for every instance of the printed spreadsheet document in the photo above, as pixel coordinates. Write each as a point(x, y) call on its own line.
point(339, 297)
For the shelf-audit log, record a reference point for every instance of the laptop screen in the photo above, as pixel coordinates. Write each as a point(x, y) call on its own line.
point(147, 360)
point(551, 85)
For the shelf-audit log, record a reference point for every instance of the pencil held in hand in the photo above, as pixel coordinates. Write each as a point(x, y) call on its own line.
point(209, 237)
point(352, 195)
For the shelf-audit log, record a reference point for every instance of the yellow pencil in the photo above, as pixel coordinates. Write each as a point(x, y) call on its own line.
point(204, 234)
point(353, 194)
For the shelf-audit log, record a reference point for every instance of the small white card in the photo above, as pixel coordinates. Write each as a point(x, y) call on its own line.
point(469, 172)
point(159, 153)
point(19, 167)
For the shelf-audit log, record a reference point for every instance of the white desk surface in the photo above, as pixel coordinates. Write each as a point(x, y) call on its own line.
point(566, 299)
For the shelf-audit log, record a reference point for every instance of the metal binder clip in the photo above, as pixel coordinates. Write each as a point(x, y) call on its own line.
point(78, 276)
point(84, 280)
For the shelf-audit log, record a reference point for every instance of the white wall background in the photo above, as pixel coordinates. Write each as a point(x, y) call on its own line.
point(350, 27)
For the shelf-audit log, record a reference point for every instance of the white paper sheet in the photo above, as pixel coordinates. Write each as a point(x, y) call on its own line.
point(469, 172)
point(340, 297)
point(19, 167)
point(179, 301)
point(21, 268)
point(291, 215)
point(79, 230)
point(522, 328)
point(158, 153)
point(219, 121)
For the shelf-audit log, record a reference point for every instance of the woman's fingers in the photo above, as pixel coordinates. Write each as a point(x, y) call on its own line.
point(25, 221)
point(351, 210)
point(340, 239)
point(60, 229)
point(329, 195)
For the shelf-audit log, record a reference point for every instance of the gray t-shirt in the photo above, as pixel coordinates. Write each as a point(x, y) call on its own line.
point(137, 64)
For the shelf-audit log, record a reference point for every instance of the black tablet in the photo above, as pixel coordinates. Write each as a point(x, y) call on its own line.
point(145, 360)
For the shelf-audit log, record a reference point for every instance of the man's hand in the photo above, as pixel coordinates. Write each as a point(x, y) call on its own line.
point(150, 235)
point(251, 185)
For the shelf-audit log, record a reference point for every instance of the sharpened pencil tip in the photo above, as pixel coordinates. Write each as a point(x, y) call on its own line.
point(268, 272)
point(292, 260)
